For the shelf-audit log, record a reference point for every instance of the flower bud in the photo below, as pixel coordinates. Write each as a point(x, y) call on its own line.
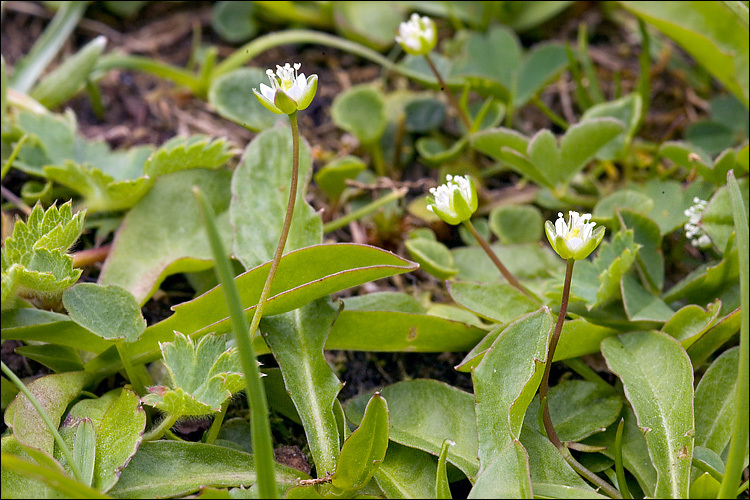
point(418, 35)
point(575, 239)
point(289, 91)
point(455, 201)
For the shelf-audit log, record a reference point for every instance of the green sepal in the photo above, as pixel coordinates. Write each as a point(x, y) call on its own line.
point(309, 93)
point(284, 103)
point(266, 103)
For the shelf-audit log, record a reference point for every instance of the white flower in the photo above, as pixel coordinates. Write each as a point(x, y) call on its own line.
point(455, 201)
point(289, 91)
point(696, 234)
point(575, 239)
point(418, 35)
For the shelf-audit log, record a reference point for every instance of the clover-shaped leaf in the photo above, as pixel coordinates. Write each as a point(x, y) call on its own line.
point(203, 376)
point(182, 153)
point(34, 260)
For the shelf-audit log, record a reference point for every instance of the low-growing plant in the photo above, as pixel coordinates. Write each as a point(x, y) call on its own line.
point(600, 361)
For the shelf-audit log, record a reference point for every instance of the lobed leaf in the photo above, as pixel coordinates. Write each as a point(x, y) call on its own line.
point(183, 153)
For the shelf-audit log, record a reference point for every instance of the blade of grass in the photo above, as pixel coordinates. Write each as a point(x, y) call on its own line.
point(256, 395)
point(52, 478)
point(738, 446)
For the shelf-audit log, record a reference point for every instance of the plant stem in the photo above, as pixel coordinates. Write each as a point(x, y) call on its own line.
point(213, 432)
point(449, 93)
point(554, 117)
point(544, 387)
point(158, 431)
point(284, 229)
point(496, 260)
point(132, 375)
point(738, 445)
point(47, 421)
point(370, 207)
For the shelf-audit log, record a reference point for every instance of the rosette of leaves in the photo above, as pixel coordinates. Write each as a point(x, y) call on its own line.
point(202, 376)
point(35, 262)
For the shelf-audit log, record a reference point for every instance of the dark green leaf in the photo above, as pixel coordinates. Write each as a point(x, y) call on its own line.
point(110, 311)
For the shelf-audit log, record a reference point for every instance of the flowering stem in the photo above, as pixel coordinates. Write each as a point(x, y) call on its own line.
point(543, 388)
point(213, 432)
point(449, 93)
point(496, 260)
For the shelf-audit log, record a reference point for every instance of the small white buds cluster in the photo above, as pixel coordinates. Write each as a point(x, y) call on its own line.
point(574, 239)
point(289, 91)
point(696, 234)
point(418, 35)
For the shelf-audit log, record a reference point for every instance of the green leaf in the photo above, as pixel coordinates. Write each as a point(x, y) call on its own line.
point(367, 24)
point(710, 33)
point(542, 64)
point(516, 224)
point(432, 256)
point(641, 305)
point(546, 464)
point(232, 96)
point(84, 449)
point(525, 261)
point(46, 326)
point(70, 77)
point(442, 486)
point(58, 358)
point(613, 260)
point(384, 301)
point(717, 219)
point(365, 449)
point(708, 282)
point(303, 276)
point(234, 21)
point(671, 201)
point(177, 468)
point(505, 382)
point(423, 115)
point(607, 208)
point(360, 111)
point(635, 453)
point(110, 311)
point(580, 144)
point(101, 191)
point(658, 380)
point(406, 473)
point(423, 413)
point(506, 477)
point(627, 110)
point(494, 301)
point(118, 421)
point(54, 393)
point(692, 321)
point(492, 141)
point(434, 152)
point(260, 192)
point(716, 336)
point(34, 258)
point(332, 177)
point(183, 153)
point(297, 339)
point(203, 376)
point(147, 249)
point(715, 402)
point(578, 409)
point(388, 331)
point(650, 258)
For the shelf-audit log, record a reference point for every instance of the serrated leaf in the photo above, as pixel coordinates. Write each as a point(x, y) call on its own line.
point(183, 153)
point(110, 311)
point(34, 259)
point(658, 380)
point(101, 191)
point(203, 376)
point(260, 192)
point(147, 249)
